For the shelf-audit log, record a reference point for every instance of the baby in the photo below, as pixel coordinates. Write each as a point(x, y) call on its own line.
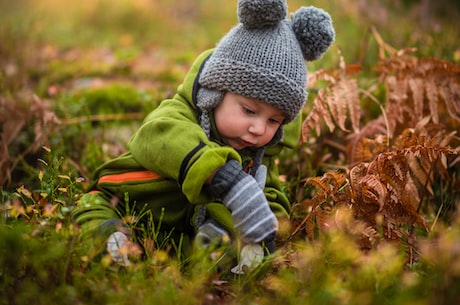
point(203, 164)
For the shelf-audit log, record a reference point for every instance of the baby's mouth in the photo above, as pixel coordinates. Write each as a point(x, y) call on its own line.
point(246, 143)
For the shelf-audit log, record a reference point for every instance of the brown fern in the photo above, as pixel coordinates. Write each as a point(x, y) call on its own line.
point(335, 103)
point(386, 193)
point(394, 160)
point(420, 87)
point(320, 206)
point(316, 116)
point(415, 88)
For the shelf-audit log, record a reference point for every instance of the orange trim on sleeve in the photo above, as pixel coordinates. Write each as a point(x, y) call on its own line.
point(129, 177)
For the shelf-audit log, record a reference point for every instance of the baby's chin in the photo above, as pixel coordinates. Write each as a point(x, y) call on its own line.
point(239, 144)
point(243, 147)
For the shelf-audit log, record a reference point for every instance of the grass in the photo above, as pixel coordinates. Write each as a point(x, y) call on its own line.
point(100, 67)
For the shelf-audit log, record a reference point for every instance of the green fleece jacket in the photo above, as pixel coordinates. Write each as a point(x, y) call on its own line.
point(168, 161)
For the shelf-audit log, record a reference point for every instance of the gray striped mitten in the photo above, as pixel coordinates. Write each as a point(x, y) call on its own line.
point(243, 196)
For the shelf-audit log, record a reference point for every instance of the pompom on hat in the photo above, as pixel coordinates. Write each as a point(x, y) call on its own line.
point(263, 56)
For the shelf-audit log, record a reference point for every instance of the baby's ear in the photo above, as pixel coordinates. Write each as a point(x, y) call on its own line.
point(314, 31)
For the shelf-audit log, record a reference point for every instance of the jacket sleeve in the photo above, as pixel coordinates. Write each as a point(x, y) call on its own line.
point(172, 143)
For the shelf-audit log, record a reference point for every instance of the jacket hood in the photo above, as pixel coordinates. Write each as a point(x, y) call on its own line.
point(189, 88)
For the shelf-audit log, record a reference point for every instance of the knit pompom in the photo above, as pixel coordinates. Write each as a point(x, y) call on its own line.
point(314, 30)
point(257, 14)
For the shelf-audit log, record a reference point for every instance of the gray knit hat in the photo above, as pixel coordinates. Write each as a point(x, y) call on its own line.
point(263, 56)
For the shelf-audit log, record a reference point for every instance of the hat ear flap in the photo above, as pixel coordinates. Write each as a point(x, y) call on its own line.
point(257, 14)
point(207, 100)
point(314, 31)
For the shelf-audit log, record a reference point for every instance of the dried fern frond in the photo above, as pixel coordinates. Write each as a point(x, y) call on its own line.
point(406, 173)
point(328, 189)
point(426, 155)
point(419, 87)
point(421, 171)
point(335, 103)
point(416, 90)
point(392, 169)
point(373, 190)
point(344, 95)
point(450, 93)
point(321, 186)
point(366, 149)
point(390, 187)
point(319, 113)
point(380, 192)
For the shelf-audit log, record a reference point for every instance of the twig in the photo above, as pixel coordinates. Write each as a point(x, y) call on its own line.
point(333, 166)
point(335, 144)
point(382, 44)
point(375, 100)
point(104, 117)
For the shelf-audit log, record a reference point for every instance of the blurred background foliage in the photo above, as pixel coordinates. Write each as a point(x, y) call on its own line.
point(151, 39)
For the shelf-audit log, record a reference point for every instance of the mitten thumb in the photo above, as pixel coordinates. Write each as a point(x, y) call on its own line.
point(261, 176)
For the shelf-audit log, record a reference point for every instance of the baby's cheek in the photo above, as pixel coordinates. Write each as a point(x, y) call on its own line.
point(267, 138)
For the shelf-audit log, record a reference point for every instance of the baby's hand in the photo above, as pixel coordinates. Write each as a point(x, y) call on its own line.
point(243, 195)
point(251, 214)
point(117, 247)
point(251, 257)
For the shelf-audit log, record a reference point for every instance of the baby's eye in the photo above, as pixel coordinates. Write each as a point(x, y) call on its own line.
point(248, 110)
point(275, 121)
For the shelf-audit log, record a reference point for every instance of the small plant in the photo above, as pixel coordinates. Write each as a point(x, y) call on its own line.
point(52, 201)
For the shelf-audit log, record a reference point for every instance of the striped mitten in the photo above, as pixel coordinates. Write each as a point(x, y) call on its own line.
point(243, 196)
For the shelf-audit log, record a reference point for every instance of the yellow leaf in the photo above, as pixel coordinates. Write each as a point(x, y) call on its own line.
point(22, 190)
point(17, 209)
point(48, 210)
point(64, 177)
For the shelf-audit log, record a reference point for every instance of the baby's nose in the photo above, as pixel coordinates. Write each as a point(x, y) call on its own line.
point(257, 127)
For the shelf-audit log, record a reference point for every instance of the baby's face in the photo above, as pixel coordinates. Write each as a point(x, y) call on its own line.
point(243, 122)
